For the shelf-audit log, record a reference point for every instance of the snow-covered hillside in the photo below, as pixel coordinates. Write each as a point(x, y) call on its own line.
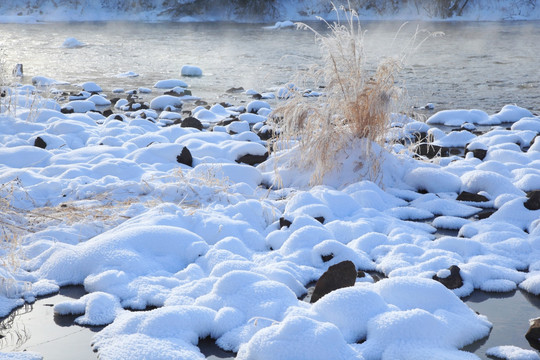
point(262, 10)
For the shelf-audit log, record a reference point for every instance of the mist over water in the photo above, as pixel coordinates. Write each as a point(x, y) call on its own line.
point(482, 65)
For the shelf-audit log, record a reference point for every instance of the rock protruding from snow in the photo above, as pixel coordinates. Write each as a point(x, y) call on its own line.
point(533, 201)
point(337, 276)
point(450, 278)
point(185, 157)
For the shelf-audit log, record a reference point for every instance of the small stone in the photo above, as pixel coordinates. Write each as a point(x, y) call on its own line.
point(40, 143)
point(320, 219)
point(234, 90)
point(336, 277)
point(533, 202)
point(185, 157)
point(192, 122)
point(284, 223)
point(252, 159)
point(484, 214)
point(452, 281)
point(328, 257)
point(477, 153)
point(430, 150)
point(468, 196)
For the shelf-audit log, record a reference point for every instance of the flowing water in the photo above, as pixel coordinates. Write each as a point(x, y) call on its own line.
point(474, 65)
point(482, 65)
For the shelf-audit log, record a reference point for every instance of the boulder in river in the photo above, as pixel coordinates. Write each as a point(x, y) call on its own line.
point(533, 334)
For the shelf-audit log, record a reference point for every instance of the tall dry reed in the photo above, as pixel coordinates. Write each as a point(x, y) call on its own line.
point(356, 104)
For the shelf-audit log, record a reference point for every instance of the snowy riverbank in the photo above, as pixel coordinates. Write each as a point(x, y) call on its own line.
point(216, 248)
point(263, 11)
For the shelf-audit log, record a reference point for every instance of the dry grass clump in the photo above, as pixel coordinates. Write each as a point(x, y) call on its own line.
point(357, 102)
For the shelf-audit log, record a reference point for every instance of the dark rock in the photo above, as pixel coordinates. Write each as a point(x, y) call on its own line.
point(227, 121)
point(67, 110)
point(284, 222)
point(477, 153)
point(452, 281)
point(192, 122)
point(252, 159)
point(430, 150)
point(336, 277)
point(328, 257)
point(234, 90)
point(178, 92)
point(107, 113)
point(533, 334)
point(360, 274)
point(320, 219)
point(265, 134)
point(185, 157)
point(40, 143)
point(533, 202)
point(468, 196)
point(256, 96)
point(419, 137)
point(484, 214)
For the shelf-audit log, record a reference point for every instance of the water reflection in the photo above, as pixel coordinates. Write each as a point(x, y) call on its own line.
point(12, 332)
point(36, 328)
point(509, 313)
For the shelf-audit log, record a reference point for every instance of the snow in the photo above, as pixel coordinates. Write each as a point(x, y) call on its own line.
point(71, 43)
point(164, 101)
point(170, 83)
point(91, 86)
point(191, 70)
point(26, 355)
point(33, 11)
point(281, 25)
point(512, 353)
point(203, 248)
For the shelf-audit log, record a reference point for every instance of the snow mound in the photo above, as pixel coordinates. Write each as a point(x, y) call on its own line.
point(72, 43)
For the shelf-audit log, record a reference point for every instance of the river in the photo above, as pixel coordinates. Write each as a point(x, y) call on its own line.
point(482, 65)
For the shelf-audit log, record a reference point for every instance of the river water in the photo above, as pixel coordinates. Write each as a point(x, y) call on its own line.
point(482, 65)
